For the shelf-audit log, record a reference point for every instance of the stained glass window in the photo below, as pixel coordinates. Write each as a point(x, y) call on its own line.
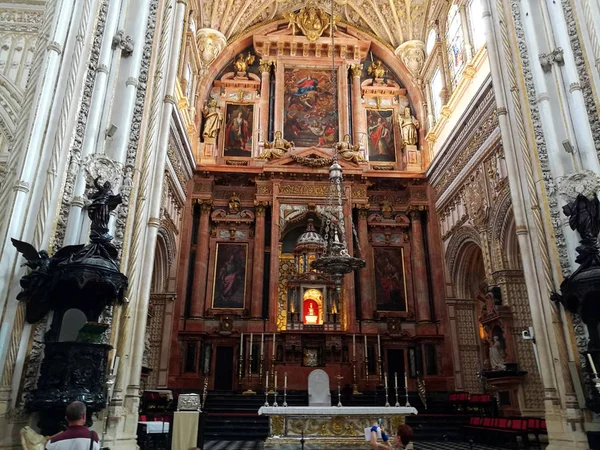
point(477, 24)
point(456, 43)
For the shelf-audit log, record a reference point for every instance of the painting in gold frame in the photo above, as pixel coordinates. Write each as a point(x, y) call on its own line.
point(390, 280)
point(229, 284)
point(380, 134)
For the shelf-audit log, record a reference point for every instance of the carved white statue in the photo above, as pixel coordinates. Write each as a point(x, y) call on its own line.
point(497, 354)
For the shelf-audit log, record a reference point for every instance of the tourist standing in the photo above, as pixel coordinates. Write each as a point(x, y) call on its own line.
point(77, 436)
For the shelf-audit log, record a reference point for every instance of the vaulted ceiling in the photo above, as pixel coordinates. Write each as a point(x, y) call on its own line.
point(391, 21)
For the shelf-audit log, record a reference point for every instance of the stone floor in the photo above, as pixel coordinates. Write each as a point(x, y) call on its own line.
point(257, 445)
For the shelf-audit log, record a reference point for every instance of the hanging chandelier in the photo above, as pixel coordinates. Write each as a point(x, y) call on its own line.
point(335, 259)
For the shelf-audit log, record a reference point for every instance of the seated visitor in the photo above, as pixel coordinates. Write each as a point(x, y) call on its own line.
point(401, 441)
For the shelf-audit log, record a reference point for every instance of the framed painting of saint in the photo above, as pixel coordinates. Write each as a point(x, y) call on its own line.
point(229, 284)
point(310, 117)
point(390, 283)
point(380, 134)
point(238, 130)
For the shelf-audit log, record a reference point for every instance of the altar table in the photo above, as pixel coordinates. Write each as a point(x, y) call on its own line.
point(328, 426)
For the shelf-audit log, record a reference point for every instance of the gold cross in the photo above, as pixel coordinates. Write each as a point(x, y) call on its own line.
point(339, 377)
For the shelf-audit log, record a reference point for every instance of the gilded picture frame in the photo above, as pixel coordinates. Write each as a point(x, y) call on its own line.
point(230, 275)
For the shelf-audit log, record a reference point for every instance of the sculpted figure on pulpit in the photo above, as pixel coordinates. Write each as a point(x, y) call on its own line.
point(348, 151)
point(277, 148)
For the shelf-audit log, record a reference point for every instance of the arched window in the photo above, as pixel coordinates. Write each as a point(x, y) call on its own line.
point(431, 38)
point(455, 42)
point(477, 24)
point(436, 91)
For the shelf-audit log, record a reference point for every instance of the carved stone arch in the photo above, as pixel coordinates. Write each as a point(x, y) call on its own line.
point(462, 236)
point(163, 261)
point(502, 229)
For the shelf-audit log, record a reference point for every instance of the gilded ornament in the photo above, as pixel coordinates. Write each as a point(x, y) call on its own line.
point(312, 161)
point(348, 151)
point(356, 70)
point(265, 65)
point(311, 21)
point(383, 167)
point(277, 425)
point(378, 71)
point(242, 63)
point(314, 190)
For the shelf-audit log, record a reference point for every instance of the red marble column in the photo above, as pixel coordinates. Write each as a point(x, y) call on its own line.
point(360, 120)
point(259, 256)
point(364, 275)
point(201, 264)
point(265, 70)
point(419, 266)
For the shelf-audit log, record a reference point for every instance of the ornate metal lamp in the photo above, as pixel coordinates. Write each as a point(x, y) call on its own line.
point(335, 259)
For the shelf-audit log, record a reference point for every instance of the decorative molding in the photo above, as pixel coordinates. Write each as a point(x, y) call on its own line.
point(582, 71)
point(125, 43)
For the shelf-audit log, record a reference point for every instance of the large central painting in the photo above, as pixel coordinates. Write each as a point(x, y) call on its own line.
point(390, 284)
point(310, 116)
point(230, 276)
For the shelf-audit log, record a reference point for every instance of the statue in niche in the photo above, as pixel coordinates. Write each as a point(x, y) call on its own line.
point(213, 118)
point(234, 204)
point(378, 71)
point(242, 63)
point(277, 148)
point(409, 126)
point(348, 151)
point(497, 354)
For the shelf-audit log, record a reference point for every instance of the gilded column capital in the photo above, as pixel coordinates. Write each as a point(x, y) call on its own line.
point(259, 208)
point(415, 212)
point(205, 205)
point(356, 70)
point(363, 211)
point(264, 65)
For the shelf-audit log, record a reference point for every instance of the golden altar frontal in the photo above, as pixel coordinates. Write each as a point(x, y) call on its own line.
point(328, 426)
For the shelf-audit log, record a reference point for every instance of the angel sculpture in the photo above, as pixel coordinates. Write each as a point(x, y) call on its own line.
point(37, 284)
point(103, 202)
point(277, 148)
point(242, 63)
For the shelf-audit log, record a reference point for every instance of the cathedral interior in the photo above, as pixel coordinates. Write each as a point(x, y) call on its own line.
point(190, 164)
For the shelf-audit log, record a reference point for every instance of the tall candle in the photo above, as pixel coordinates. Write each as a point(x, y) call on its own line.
point(262, 344)
point(354, 346)
point(267, 379)
point(273, 346)
point(379, 345)
point(241, 344)
point(275, 382)
point(592, 365)
point(250, 345)
point(396, 380)
point(285, 380)
point(366, 352)
point(405, 381)
point(385, 380)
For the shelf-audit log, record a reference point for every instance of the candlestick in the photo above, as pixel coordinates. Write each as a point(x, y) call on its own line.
point(275, 390)
point(592, 365)
point(275, 382)
point(379, 343)
point(250, 345)
point(273, 346)
point(285, 390)
point(267, 381)
point(387, 403)
point(354, 346)
point(366, 362)
point(385, 378)
point(354, 385)
point(262, 344)
point(366, 351)
point(406, 384)
point(396, 389)
point(241, 344)
point(339, 377)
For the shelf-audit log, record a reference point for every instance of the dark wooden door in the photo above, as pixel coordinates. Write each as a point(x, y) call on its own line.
point(224, 369)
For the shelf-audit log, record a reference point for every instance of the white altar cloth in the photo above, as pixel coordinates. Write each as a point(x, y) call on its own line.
point(156, 427)
point(336, 411)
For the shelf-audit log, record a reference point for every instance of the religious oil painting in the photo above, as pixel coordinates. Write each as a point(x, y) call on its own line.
point(310, 116)
point(381, 135)
point(229, 287)
point(238, 130)
point(390, 283)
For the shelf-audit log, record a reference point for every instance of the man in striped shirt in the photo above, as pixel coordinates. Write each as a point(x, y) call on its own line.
point(77, 436)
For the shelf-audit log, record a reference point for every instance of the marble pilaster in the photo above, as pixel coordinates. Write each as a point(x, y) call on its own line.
point(201, 263)
point(365, 276)
point(265, 85)
point(258, 269)
point(360, 119)
point(419, 266)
